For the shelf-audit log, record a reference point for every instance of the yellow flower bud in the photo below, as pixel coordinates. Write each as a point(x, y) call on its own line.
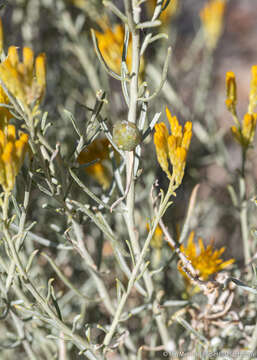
point(231, 91)
point(160, 141)
point(187, 135)
point(13, 56)
point(179, 164)
point(41, 73)
point(176, 129)
point(249, 126)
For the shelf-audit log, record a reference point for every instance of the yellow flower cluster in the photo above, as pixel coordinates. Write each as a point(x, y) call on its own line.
point(24, 80)
point(212, 21)
point(110, 43)
point(205, 260)
point(97, 150)
point(12, 152)
point(244, 133)
point(173, 147)
point(167, 13)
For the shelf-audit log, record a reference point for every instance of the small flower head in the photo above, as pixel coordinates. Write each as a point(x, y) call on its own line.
point(231, 92)
point(25, 80)
point(205, 260)
point(212, 21)
point(12, 152)
point(253, 90)
point(244, 135)
point(172, 147)
point(97, 150)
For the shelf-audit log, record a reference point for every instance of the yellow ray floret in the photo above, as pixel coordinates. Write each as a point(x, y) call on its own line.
point(205, 260)
point(25, 80)
point(172, 147)
point(212, 21)
point(12, 152)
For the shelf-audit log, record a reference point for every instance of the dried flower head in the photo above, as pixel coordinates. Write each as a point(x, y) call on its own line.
point(12, 152)
point(25, 80)
point(205, 260)
point(173, 147)
point(212, 21)
point(97, 150)
point(126, 135)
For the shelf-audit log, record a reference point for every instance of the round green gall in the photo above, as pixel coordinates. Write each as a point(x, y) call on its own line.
point(126, 135)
